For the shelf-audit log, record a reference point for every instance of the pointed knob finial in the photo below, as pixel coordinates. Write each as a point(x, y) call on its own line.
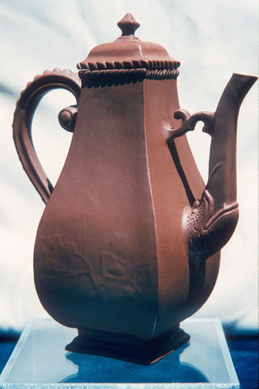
point(128, 25)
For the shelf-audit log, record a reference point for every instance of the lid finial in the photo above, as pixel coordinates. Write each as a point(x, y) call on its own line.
point(128, 25)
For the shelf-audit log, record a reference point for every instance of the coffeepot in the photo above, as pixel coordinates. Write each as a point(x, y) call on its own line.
point(128, 245)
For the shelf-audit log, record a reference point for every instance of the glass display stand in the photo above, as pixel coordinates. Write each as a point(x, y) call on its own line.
point(39, 360)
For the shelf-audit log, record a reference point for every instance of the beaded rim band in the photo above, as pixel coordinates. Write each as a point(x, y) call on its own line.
point(109, 77)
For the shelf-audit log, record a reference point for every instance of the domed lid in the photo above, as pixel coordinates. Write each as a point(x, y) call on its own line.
point(128, 52)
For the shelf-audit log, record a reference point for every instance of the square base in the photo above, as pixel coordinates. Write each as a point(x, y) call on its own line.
point(126, 347)
point(40, 361)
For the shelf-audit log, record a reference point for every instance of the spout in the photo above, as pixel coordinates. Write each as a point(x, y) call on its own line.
point(222, 164)
point(211, 221)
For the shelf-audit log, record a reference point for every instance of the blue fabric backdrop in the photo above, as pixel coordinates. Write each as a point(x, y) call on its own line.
point(244, 353)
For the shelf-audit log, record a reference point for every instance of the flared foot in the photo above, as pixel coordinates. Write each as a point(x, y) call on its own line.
point(128, 348)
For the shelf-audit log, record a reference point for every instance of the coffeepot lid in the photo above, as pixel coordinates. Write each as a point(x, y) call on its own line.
point(129, 52)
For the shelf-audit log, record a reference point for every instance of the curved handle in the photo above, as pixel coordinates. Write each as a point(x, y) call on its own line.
point(23, 115)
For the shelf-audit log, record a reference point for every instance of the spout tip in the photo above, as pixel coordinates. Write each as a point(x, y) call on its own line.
point(241, 83)
point(245, 78)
